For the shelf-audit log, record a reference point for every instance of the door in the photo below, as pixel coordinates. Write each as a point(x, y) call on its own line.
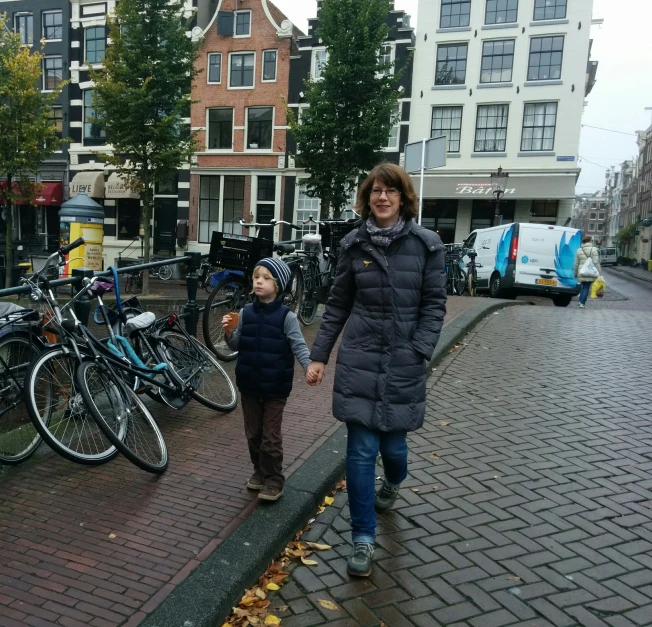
point(165, 226)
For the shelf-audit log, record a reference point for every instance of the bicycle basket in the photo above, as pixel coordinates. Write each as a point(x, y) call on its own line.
point(335, 232)
point(238, 252)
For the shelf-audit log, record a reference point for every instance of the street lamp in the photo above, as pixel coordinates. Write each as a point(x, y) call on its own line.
point(498, 185)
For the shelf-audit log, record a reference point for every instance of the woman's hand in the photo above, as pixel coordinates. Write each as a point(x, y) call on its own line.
point(315, 373)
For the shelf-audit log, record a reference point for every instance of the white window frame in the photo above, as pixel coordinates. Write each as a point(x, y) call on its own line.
point(392, 58)
point(262, 66)
point(240, 52)
point(220, 150)
point(43, 14)
point(313, 62)
point(208, 68)
point(246, 136)
point(235, 23)
point(308, 228)
point(591, 227)
point(395, 128)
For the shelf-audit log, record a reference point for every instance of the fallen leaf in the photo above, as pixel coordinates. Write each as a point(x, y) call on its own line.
point(260, 593)
point(282, 608)
point(306, 562)
point(319, 547)
point(434, 456)
point(329, 500)
point(273, 586)
point(415, 489)
point(341, 485)
point(302, 546)
point(112, 535)
point(246, 601)
point(444, 424)
point(514, 578)
point(329, 605)
point(321, 510)
point(270, 619)
point(280, 578)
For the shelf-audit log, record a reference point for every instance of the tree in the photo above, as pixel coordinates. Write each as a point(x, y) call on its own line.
point(352, 107)
point(142, 93)
point(27, 133)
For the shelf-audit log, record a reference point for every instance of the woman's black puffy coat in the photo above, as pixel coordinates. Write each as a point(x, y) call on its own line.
point(395, 302)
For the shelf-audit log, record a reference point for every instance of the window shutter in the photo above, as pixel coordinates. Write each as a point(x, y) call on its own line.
point(225, 23)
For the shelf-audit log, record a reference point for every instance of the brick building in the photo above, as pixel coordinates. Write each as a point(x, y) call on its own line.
point(241, 95)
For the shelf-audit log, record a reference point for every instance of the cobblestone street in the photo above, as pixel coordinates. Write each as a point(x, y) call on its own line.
point(529, 499)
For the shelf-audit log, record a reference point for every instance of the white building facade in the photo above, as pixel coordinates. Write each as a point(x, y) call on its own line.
point(505, 81)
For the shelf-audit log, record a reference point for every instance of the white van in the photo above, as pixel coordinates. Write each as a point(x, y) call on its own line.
point(524, 258)
point(608, 256)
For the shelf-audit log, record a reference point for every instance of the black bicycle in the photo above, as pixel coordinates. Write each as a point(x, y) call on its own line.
point(456, 278)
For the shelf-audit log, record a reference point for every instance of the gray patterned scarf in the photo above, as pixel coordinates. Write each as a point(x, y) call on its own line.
point(384, 237)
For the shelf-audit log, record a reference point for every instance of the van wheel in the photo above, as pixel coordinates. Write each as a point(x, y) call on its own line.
point(562, 301)
point(495, 289)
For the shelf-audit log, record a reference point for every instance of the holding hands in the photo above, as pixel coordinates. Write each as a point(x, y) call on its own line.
point(315, 373)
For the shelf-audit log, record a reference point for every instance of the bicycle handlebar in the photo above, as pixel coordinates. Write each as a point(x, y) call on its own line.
point(64, 250)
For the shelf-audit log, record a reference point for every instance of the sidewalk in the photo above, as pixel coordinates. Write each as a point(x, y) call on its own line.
point(636, 273)
point(104, 546)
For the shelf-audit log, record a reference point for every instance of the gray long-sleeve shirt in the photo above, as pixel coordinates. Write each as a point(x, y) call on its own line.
point(292, 333)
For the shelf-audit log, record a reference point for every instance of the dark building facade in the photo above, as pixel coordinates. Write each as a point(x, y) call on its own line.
point(312, 55)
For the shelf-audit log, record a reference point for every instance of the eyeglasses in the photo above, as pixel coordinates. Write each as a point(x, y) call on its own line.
point(390, 193)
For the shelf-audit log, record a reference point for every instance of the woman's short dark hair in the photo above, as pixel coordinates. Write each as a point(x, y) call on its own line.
point(586, 239)
point(392, 176)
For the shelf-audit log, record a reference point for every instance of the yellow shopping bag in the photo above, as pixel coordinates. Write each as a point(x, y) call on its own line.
point(598, 288)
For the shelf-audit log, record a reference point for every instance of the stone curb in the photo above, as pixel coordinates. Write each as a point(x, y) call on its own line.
point(208, 595)
point(632, 275)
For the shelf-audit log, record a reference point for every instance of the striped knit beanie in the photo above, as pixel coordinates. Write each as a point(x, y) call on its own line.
point(279, 269)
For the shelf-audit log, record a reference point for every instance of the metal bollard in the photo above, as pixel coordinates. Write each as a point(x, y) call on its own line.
point(192, 282)
point(83, 304)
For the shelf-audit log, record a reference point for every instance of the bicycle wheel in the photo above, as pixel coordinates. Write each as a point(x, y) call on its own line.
point(460, 281)
point(472, 283)
point(122, 416)
point(307, 311)
point(18, 436)
point(230, 294)
point(165, 273)
point(211, 385)
point(129, 283)
point(294, 292)
point(58, 411)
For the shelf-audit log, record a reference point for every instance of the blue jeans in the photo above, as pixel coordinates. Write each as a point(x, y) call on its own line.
point(361, 453)
point(585, 289)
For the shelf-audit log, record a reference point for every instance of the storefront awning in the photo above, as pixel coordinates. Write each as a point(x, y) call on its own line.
point(518, 187)
point(51, 193)
point(91, 183)
point(116, 188)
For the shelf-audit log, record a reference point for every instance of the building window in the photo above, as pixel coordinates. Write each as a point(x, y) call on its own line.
point(545, 208)
point(491, 128)
point(243, 24)
point(501, 11)
point(52, 73)
point(539, 121)
point(220, 129)
point(600, 227)
point(306, 207)
point(56, 119)
point(591, 227)
point(91, 129)
point(601, 216)
point(168, 186)
point(260, 121)
point(215, 67)
point(266, 205)
point(95, 44)
point(440, 216)
point(233, 208)
point(269, 66)
point(320, 61)
point(128, 218)
point(592, 215)
point(549, 9)
point(392, 140)
point(24, 24)
point(455, 13)
point(242, 70)
point(209, 207)
point(447, 121)
point(497, 61)
point(545, 58)
point(385, 60)
point(483, 212)
point(52, 25)
point(451, 64)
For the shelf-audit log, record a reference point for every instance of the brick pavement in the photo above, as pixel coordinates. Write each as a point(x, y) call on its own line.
point(529, 499)
point(105, 545)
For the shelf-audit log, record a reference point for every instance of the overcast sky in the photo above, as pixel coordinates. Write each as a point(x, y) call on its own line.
point(624, 81)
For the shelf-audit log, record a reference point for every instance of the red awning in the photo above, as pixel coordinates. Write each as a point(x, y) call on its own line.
point(51, 193)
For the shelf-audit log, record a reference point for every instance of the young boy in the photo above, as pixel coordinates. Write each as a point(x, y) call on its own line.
point(267, 339)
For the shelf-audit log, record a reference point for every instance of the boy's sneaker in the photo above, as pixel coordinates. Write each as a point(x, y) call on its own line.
point(270, 493)
point(385, 497)
point(359, 562)
point(256, 482)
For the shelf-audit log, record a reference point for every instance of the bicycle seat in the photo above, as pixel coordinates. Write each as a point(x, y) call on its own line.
point(141, 321)
point(284, 249)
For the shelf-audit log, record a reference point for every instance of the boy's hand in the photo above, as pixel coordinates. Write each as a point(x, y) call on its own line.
point(226, 321)
point(315, 373)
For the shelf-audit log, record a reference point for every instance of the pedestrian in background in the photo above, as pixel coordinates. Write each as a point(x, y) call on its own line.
point(267, 337)
point(585, 252)
point(390, 292)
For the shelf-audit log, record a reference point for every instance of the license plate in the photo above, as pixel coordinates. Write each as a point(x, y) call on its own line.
point(552, 282)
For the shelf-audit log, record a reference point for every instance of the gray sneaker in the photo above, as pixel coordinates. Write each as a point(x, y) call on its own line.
point(359, 562)
point(385, 497)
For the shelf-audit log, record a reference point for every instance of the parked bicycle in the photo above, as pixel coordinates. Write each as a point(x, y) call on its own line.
point(134, 282)
point(456, 278)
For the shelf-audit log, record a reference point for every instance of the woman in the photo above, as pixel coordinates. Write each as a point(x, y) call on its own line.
point(586, 250)
point(390, 291)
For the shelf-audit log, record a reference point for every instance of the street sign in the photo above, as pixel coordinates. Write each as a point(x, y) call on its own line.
point(425, 155)
point(565, 158)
